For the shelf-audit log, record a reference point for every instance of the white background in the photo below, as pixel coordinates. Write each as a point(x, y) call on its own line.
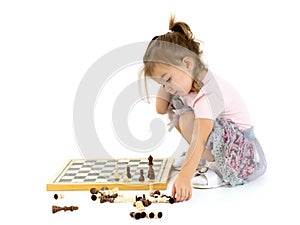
point(46, 47)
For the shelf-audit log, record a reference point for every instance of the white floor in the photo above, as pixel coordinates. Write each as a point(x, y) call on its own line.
point(261, 202)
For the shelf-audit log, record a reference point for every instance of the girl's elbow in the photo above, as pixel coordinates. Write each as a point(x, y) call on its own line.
point(161, 111)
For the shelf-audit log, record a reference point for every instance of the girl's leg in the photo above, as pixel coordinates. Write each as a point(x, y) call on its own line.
point(186, 126)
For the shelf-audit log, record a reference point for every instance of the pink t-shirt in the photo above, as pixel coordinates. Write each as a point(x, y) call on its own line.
point(217, 97)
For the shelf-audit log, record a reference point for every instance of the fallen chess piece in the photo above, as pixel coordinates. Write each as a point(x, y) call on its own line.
point(140, 215)
point(56, 209)
point(152, 215)
point(60, 196)
point(105, 194)
point(157, 197)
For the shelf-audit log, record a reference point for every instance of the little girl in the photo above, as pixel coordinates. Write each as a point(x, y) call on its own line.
point(207, 111)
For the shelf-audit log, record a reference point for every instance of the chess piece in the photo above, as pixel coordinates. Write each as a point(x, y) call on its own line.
point(128, 172)
point(141, 178)
point(138, 215)
point(151, 174)
point(150, 160)
point(94, 197)
point(151, 215)
point(56, 209)
point(94, 191)
point(60, 196)
point(116, 175)
point(139, 205)
point(125, 178)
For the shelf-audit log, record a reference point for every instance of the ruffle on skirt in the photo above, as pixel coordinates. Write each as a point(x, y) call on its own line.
point(238, 155)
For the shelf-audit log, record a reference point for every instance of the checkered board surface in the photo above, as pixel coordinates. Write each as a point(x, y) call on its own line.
point(83, 174)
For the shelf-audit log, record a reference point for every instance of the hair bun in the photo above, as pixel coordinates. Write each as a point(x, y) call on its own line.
point(180, 27)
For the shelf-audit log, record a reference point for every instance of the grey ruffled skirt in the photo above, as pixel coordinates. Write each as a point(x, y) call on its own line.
point(239, 157)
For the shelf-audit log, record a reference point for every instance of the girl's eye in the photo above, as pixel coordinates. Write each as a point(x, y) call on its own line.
point(168, 80)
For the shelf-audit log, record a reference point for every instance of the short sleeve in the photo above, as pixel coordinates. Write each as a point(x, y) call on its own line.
point(209, 101)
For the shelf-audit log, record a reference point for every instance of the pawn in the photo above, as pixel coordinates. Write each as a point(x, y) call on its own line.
point(158, 215)
point(139, 205)
point(94, 191)
point(152, 215)
point(125, 178)
point(116, 175)
point(60, 196)
point(138, 215)
point(141, 178)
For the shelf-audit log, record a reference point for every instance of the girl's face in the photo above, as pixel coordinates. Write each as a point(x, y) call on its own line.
point(174, 80)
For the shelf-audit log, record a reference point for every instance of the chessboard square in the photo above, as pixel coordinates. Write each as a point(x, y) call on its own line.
point(65, 180)
point(93, 174)
point(75, 167)
point(110, 164)
point(101, 180)
point(122, 161)
point(136, 160)
point(96, 168)
point(80, 163)
point(70, 174)
point(98, 163)
point(91, 161)
point(142, 167)
point(90, 179)
point(106, 171)
point(80, 177)
point(132, 164)
point(65, 177)
point(84, 171)
point(86, 166)
point(158, 160)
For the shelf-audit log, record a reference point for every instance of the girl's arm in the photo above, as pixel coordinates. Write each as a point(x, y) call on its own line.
point(182, 186)
point(162, 101)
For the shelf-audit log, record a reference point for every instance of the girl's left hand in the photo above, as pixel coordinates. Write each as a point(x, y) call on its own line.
point(182, 189)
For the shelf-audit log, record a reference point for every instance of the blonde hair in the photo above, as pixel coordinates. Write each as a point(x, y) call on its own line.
point(171, 47)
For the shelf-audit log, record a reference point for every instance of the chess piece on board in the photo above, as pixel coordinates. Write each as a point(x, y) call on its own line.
point(151, 174)
point(125, 177)
point(150, 160)
point(116, 174)
point(141, 178)
point(128, 172)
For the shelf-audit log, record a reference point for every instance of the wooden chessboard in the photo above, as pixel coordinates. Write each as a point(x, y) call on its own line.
point(83, 174)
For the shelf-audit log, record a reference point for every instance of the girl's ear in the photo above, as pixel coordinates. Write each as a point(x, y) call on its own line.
point(188, 63)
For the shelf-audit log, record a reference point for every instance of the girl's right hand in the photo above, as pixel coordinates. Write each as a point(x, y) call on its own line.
point(182, 189)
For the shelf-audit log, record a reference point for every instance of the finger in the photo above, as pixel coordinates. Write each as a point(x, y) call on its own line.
point(185, 195)
point(189, 196)
point(180, 196)
point(173, 192)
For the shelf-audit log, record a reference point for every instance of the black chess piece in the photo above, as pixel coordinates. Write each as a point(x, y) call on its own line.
point(141, 178)
point(128, 172)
